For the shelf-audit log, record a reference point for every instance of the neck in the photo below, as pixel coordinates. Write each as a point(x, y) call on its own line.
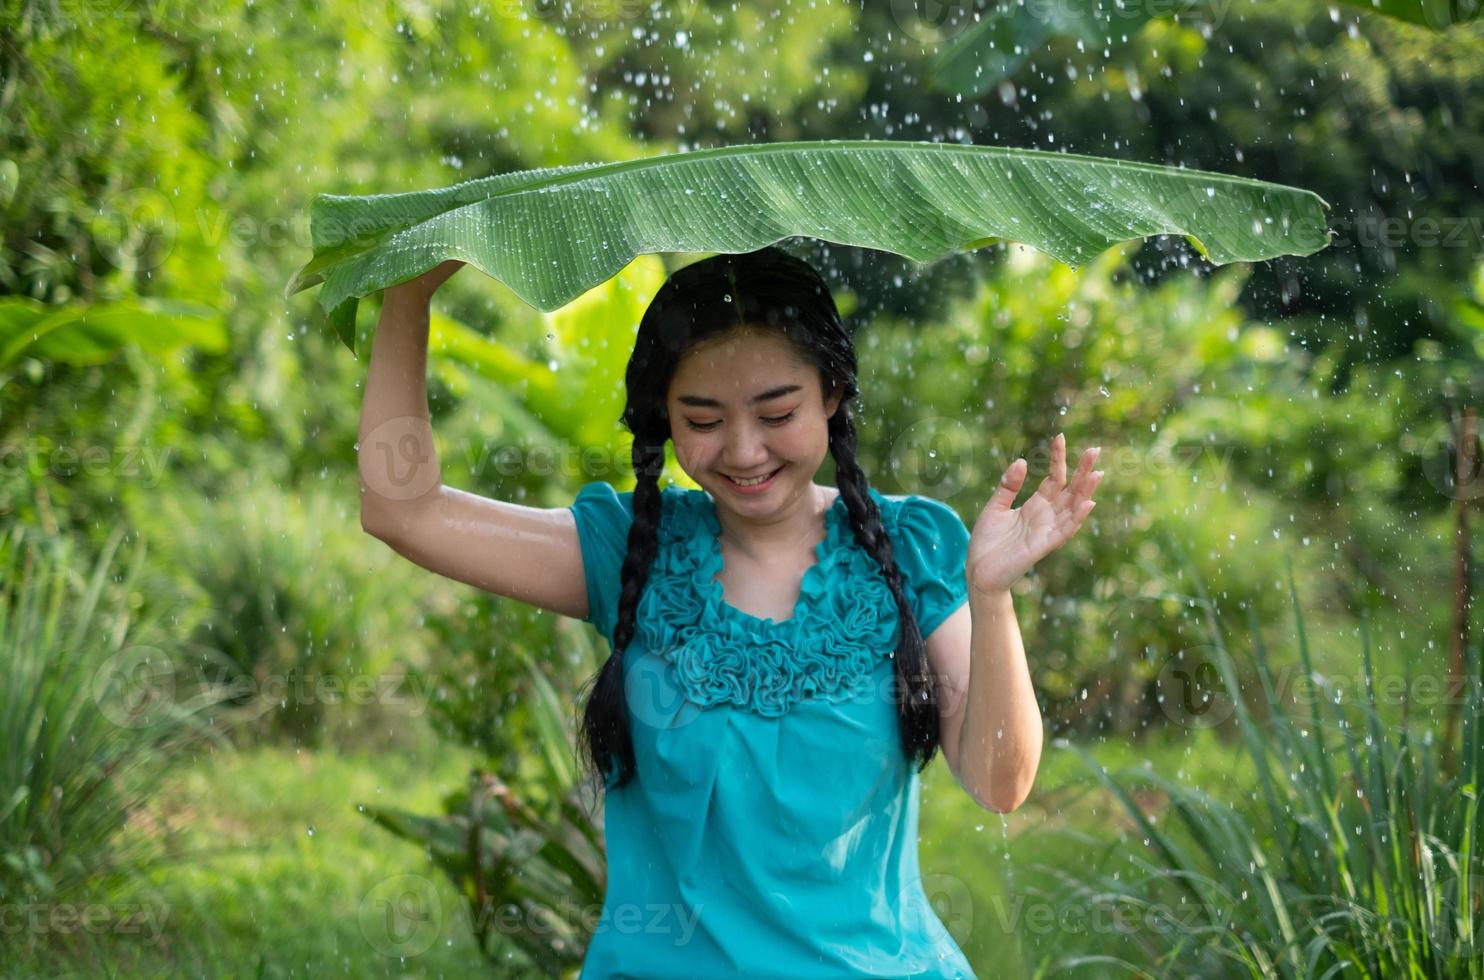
point(782, 532)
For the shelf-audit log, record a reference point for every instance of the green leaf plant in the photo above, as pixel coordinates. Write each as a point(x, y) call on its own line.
point(552, 234)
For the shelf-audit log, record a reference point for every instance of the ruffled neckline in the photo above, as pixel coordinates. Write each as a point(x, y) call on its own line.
point(844, 621)
point(837, 534)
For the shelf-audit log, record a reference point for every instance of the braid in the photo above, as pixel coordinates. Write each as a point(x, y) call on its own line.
point(918, 712)
point(772, 290)
point(605, 736)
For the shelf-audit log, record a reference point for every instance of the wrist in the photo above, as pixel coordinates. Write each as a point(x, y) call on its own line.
point(406, 294)
point(993, 596)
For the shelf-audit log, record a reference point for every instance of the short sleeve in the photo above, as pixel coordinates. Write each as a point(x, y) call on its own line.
point(603, 517)
point(931, 548)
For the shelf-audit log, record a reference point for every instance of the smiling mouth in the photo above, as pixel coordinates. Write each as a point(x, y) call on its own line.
point(753, 481)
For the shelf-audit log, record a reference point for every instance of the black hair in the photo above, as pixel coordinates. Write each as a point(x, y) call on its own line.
point(765, 290)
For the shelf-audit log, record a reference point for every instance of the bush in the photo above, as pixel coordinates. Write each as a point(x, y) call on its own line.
point(90, 717)
point(300, 611)
point(1161, 379)
point(480, 687)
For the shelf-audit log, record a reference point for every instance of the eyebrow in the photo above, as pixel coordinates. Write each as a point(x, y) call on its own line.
point(778, 392)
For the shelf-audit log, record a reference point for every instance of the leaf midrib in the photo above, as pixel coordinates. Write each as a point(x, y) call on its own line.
point(599, 170)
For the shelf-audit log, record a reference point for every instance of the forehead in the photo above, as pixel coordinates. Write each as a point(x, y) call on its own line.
point(737, 364)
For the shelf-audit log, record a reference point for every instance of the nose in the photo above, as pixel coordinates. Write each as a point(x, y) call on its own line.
point(745, 448)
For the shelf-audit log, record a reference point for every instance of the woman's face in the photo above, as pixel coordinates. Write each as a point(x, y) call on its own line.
point(743, 405)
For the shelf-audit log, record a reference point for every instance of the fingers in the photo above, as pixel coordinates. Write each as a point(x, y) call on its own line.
point(1069, 500)
point(1010, 483)
point(1056, 479)
point(1086, 479)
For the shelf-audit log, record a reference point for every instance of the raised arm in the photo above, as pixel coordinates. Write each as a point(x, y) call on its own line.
point(526, 553)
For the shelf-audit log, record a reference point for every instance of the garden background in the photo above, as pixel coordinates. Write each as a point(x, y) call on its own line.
point(240, 736)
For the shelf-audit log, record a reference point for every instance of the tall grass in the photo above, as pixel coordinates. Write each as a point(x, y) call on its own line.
point(90, 722)
point(1356, 857)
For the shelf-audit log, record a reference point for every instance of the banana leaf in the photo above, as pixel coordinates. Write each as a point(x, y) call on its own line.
point(552, 234)
point(92, 333)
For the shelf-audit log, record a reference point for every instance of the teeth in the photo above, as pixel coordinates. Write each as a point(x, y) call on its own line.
point(753, 482)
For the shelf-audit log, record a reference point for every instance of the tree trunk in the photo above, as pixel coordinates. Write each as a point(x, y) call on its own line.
point(1465, 464)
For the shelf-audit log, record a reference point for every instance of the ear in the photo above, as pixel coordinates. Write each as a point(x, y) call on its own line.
point(833, 401)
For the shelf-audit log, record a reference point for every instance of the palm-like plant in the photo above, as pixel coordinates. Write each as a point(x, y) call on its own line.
point(91, 720)
point(1358, 856)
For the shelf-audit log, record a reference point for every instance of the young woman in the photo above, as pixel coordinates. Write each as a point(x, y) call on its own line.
point(786, 657)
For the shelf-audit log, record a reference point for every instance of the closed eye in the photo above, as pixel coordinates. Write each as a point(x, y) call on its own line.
point(773, 420)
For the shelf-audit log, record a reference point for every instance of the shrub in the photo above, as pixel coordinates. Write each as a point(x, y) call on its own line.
point(532, 853)
point(1356, 853)
point(91, 721)
point(300, 610)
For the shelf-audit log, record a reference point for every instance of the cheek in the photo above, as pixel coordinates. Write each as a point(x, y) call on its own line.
point(690, 450)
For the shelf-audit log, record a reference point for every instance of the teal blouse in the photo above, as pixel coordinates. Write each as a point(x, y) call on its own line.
point(771, 827)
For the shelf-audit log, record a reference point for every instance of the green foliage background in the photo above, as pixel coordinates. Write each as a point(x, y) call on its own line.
point(166, 151)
